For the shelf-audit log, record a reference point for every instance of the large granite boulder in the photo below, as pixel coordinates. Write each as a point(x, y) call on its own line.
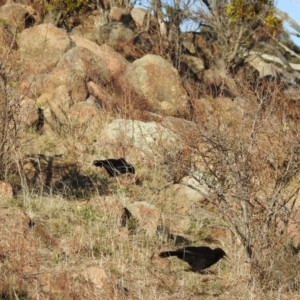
point(157, 81)
point(41, 47)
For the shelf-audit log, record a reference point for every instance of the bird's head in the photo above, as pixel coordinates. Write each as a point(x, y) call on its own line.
point(220, 253)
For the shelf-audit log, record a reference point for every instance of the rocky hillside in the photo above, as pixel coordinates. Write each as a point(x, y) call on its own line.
point(215, 154)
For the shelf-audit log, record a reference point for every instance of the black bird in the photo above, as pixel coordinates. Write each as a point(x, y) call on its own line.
point(199, 258)
point(115, 167)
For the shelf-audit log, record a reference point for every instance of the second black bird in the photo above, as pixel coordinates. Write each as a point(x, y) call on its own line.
point(199, 258)
point(115, 167)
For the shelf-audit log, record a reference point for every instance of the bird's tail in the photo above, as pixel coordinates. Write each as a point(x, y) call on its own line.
point(168, 253)
point(97, 163)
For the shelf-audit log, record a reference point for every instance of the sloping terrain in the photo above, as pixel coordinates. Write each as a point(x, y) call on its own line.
point(215, 156)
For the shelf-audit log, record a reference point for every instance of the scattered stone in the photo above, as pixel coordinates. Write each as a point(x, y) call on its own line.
point(95, 275)
point(147, 215)
point(6, 189)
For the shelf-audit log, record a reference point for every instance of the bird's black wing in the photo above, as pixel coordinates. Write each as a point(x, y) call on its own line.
point(198, 258)
point(203, 250)
point(108, 166)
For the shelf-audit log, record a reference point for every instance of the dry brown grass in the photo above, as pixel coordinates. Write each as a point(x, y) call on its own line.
point(70, 235)
point(45, 262)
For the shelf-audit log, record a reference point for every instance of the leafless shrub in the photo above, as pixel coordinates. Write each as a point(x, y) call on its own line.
point(178, 162)
point(247, 152)
point(9, 112)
